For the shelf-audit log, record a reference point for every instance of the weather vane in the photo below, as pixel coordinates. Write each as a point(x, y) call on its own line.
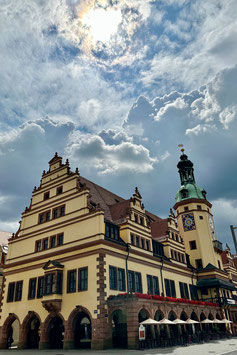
point(181, 146)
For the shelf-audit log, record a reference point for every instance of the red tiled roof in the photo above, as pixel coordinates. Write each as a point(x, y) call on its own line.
point(159, 228)
point(114, 206)
point(120, 210)
point(101, 196)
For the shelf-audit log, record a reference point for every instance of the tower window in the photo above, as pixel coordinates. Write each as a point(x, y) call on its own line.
point(192, 244)
point(199, 263)
point(200, 217)
point(186, 208)
point(199, 207)
point(132, 238)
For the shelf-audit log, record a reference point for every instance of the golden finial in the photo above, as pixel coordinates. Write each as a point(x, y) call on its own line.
point(181, 146)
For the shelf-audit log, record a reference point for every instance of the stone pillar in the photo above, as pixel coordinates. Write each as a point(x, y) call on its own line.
point(68, 342)
point(132, 328)
point(44, 339)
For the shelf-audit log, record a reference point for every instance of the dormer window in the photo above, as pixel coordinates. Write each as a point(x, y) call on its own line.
point(184, 193)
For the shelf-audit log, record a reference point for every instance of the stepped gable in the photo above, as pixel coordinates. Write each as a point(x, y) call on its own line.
point(101, 196)
point(159, 228)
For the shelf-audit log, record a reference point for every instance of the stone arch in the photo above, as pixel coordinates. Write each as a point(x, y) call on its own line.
point(218, 316)
point(172, 315)
point(143, 314)
point(79, 328)
point(202, 316)
point(45, 329)
point(194, 316)
point(159, 315)
point(7, 326)
point(29, 337)
point(183, 315)
point(210, 316)
point(119, 329)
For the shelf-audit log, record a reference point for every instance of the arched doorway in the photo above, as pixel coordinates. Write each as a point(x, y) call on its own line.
point(12, 332)
point(119, 329)
point(56, 332)
point(82, 331)
point(33, 338)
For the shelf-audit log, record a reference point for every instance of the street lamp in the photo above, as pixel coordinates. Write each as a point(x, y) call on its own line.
point(234, 237)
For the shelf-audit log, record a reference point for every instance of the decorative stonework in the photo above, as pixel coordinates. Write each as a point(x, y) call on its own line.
point(52, 305)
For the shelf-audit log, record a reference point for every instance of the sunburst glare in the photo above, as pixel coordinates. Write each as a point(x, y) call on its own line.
point(102, 24)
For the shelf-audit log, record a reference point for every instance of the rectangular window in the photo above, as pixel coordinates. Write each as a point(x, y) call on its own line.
point(112, 232)
point(55, 213)
point(59, 286)
point(44, 217)
point(38, 245)
point(113, 278)
point(49, 285)
point(199, 207)
point(200, 217)
point(11, 290)
point(192, 245)
point(45, 243)
point(71, 281)
point(32, 288)
point(121, 280)
point(53, 241)
point(62, 211)
point(83, 279)
point(152, 285)
point(138, 282)
point(59, 211)
point(135, 218)
point(40, 288)
point(107, 231)
point(137, 241)
point(147, 245)
point(41, 218)
point(131, 281)
point(60, 239)
point(116, 234)
point(141, 221)
point(142, 243)
point(186, 208)
point(19, 286)
point(46, 195)
point(183, 290)
point(132, 239)
point(59, 190)
point(198, 263)
point(193, 292)
point(170, 288)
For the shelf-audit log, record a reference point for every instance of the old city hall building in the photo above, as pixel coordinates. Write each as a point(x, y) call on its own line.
point(86, 266)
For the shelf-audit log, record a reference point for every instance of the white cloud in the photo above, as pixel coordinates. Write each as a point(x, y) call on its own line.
point(107, 159)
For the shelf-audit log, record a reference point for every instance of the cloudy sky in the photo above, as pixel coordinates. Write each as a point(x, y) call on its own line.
point(115, 86)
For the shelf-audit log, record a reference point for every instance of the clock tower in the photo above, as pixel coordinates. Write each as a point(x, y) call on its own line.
point(195, 219)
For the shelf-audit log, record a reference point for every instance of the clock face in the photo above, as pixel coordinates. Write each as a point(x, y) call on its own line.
point(188, 222)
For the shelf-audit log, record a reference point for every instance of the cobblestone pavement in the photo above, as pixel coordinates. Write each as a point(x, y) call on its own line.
point(218, 347)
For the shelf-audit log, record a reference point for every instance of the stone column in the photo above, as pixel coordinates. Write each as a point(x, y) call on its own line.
point(68, 342)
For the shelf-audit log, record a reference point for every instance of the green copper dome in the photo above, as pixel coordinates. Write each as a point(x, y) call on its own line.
point(188, 188)
point(189, 191)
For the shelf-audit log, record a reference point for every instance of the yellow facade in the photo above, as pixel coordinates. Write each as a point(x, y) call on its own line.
point(80, 245)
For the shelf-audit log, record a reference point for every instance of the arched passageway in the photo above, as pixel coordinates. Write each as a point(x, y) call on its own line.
point(119, 329)
point(159, 315)
point(10, 332)
point(82, 331)
point(143, 315)
point(32, 341)
point(56, 331)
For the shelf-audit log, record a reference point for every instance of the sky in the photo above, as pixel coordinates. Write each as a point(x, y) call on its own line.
point(115, 86)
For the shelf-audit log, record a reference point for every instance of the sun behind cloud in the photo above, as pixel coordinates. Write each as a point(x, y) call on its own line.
point(102, 23)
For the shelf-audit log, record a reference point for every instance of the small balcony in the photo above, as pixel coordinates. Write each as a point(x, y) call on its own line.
point(217, 245)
